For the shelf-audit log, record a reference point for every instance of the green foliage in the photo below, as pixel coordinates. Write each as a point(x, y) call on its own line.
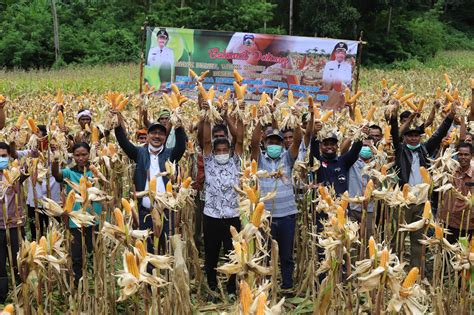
point(94, 32)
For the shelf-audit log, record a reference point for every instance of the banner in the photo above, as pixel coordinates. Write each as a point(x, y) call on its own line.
point(320, 67)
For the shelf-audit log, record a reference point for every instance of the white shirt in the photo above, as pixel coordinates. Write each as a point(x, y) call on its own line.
point(41, 191)
point(160, 185)
point(158, 56)
point(335, 71)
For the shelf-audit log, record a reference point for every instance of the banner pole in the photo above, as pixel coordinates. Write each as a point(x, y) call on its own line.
point(359, 60)
point(142, 55)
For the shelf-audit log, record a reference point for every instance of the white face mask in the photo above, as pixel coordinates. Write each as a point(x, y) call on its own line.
point(222, 158)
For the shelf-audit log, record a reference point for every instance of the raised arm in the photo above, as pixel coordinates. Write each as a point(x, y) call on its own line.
point(255, 142)
point(435, 140)
point(314, 149)
point(345, 146)
point(239, 137)
point(56, 171)
point(231, 123)
point(206, 137)
point(471, 114)
point(295, 146)
point(309, 127)
point(431, 116)
point(129, 148)
point(393, 120)
point(180, 146)
point(351, 157)
point(144, 114)
point(2, 115)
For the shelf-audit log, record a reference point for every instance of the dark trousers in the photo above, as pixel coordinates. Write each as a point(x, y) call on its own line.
point(456, 233)
point(146, 222)
point(76, 249)
point(283, 231)
point(199, 208)
point(216, 234)
point(43, 221)
point(15, 246)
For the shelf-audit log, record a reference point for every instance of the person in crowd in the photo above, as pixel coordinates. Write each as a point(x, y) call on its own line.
point(222, 171)
point(12, 224)
point(80, 151)
point(410, 155)
point(460, 221)
point(357, 183)
point(141, 136)
point(376, 133)
point(283, 209)
point(150, 160)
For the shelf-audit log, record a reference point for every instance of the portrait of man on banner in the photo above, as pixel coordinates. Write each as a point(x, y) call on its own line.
point(162, 57)
point(338, 70)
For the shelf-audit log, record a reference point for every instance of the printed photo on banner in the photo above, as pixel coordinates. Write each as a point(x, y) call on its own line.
point(320, 67)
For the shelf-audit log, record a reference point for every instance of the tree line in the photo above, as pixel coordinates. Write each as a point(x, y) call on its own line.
point(53, 33)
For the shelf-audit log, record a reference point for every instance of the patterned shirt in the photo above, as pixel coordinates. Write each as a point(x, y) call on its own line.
point(284, 203)
point(221, 199)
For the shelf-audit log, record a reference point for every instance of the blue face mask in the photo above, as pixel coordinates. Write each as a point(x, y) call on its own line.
point(3, 163)
point(365, 153)
point(413, 147)
point(274, 150)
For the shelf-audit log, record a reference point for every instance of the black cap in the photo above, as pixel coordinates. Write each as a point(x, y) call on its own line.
point(273, 132)
point(162, 32)
point(332, 136)
point(417, 130)
point(341, 45)
point(155, 126)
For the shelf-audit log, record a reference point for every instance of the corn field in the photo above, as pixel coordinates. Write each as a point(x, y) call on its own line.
point(340, 267)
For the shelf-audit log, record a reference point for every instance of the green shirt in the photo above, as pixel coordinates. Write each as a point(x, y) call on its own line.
point(75, 177)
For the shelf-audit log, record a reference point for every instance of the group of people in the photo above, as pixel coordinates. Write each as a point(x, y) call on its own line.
point(217, 171)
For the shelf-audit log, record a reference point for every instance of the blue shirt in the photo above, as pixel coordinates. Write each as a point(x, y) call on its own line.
point(75, 177)
point(284, 203)
point(357, 184)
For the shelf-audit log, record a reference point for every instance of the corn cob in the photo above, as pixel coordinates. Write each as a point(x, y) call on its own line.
point(95, 135)
point(384, 169)
point(43, 244)
point(119, 219)
point(372, 247)
point(384, 83)
point(472, 245)
point(411, 105)
point(370, 113)
point(438, 92)
point(406, 97)
point(169, 187)
point(355, 97)
point(33, 248)
point(347, 95)
point(245, 296)
point(251, 195)
point(187, 182)
point(447, 108)
point(421, 104)
point(386, 133)
point(253, 165)
point(152, 185)
point(10, 309)
point(132, 264)
point(257, 214)
point(175, 89)
point(427, 210)
point(211, 94)
point(233, 232)
point(83, 187)
point(141, 248)
point(238, 91)
point(448, 96)
point(202, 92)
point(384, 258)
point(357, 115)
point(368, 189)
point(341, 217)
point(32, 124)
point(406, 190)
point(326, 116)
point(291, 100)
point(247, 172)
point(254, 111)
point(122, 104)
point(448, 81)
point(70, 201)
point(392, 88)
point(193, 74)
point(263, 99)
point(20, 120)
point(399, 93)
point(243, 90)
point(126, 206)
point(227, 94)
point(456, 94)
point(262, 301)
point(411, 278)
point(238, 78)
point(203, 75)
point(344, 203)
point(438, 232)
point(317, 113)
point(425, 175)
point(111, 148)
